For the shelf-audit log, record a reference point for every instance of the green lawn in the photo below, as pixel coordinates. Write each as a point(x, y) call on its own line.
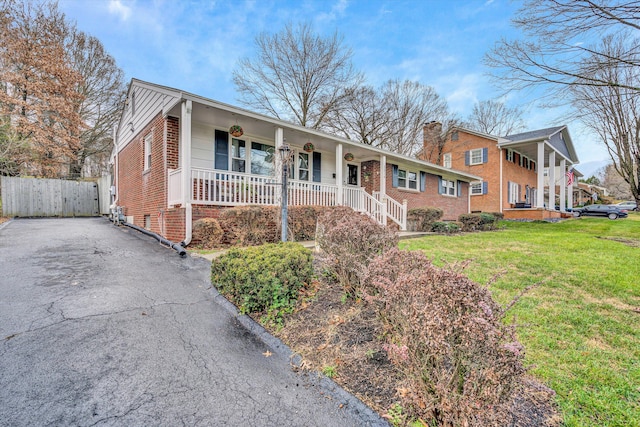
point(581, 325)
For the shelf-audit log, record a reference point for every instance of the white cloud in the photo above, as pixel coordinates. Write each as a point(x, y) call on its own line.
point(117, 8)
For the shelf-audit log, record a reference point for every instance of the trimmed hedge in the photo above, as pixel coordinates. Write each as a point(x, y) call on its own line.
point(263, 279)
point(445, 227)
point(423, 218)
point(478, 221)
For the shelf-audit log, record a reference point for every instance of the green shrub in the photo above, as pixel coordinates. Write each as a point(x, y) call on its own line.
point(424, 217)
point(263, 279)
point(348, 242)
point(208, 232)
point(461, 364)
point(445, 227)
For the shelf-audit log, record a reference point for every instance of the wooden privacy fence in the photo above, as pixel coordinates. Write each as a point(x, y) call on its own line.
point(36, 197)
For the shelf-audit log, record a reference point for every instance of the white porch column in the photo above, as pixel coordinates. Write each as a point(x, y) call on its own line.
point(540, 184)
point(383, 186)
point(185, 164)
point(563, 185)
point(339, 173)
point(551, 205)
point(279, 138)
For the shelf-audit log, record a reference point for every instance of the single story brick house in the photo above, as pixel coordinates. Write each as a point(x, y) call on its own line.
point(177, 158)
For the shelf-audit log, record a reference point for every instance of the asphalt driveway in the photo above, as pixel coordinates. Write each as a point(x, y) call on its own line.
point(101, 325)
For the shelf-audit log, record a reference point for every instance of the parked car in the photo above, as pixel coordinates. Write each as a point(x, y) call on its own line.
point(629, 205)
point(610, 211)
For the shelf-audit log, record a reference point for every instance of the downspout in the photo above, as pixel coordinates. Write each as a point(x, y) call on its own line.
point(185, 136)
point(177, 247)
point(501, 185)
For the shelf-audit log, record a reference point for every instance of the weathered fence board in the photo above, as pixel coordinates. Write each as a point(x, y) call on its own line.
point(36, 197)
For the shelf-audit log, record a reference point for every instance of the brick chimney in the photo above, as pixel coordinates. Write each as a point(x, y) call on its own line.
point(430, 141)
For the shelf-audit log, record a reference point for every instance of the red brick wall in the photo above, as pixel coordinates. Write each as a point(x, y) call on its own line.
point(143, 192)
point(173, 142)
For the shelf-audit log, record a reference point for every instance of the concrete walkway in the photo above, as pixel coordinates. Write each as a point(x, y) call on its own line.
point(101, 325)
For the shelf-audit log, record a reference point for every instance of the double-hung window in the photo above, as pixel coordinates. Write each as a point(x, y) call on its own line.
point(514, 192)
point(303, 166)
point(147, 151)
point(475, 156)
point(238, 155)
point(448, 187)
point(407, 179)
point(476, 188)
point(446, 160)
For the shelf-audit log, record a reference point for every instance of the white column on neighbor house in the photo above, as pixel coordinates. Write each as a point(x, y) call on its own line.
point(563, 185)
point(540, 184)
point(383, 186)
point(185, 151)
point(339, 170)
point(551, 205)
point(570, 198)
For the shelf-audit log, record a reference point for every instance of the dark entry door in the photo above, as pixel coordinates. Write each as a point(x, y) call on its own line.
point(352, 175)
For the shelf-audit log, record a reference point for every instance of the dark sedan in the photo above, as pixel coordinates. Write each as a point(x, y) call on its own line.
point(610, 211)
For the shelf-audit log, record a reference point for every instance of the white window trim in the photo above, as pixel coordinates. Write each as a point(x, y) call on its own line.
point(148, 140)
point(471, 152)
point(406, 187)
point(445, 184)
point(247, 154)
point(471, 184)
point(446, 160)
point(309, 168)
point(514, 193)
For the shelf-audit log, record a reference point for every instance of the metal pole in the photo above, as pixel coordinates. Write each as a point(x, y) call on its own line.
point(285, 201)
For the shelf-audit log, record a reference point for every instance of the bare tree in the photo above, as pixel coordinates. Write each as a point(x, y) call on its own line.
point(361, 115)
point(410, 105)
point(495, 118)
point(556, 50)
point(103, 92)
point(613, 112)
point(39, 97)
point(617, 187)
point(297, 75)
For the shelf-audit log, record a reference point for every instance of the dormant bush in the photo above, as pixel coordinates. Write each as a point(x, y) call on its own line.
point(348, 242)
point(460, 362)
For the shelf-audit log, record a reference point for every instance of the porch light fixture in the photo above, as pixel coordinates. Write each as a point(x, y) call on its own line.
point(285, 151)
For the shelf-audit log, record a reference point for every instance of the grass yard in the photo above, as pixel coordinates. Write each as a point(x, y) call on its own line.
point(581, 325)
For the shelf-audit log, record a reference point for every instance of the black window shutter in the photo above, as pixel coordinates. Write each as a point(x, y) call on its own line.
point(317, 167)
point(485, 187)
point(459, 188)
point(394, 176)
point(440, 188)
point(485, 155)
point(466, 158)
point(221, 151)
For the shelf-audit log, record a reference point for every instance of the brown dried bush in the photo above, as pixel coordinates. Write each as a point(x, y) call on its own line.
point(445, 333)
point(208, 232)
point(250, 225)
point(349, 241)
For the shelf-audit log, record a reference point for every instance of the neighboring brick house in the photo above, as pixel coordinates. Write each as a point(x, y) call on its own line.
point(514, 169)
point(175, 161)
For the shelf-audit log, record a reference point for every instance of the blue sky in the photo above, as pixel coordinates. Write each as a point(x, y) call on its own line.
point(195, 45)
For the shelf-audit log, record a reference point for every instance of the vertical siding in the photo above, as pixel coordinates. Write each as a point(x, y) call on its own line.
point(34, 197)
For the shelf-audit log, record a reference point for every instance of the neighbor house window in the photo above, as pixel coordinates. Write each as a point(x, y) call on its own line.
point(238, 155)
point(262, 159)
point(476, 188)
point(514, 192)
point(475, 156)
point(446, 160)
point(147, 151)
point(303, 166)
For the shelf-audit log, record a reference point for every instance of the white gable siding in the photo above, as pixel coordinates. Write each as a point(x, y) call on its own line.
point(148, 104)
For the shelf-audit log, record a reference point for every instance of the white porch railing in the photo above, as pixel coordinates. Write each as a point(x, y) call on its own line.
point(395, 210)
point(174, 189)
point(210, 187)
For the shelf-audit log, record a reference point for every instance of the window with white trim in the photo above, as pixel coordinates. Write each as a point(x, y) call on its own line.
point(449, 187)
point(147, 151)
point(238, 155)
point(407, 179)
point(476, 188)
point(446, 160)
point(475, 156)
point(514, 192)
point(303, 166)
